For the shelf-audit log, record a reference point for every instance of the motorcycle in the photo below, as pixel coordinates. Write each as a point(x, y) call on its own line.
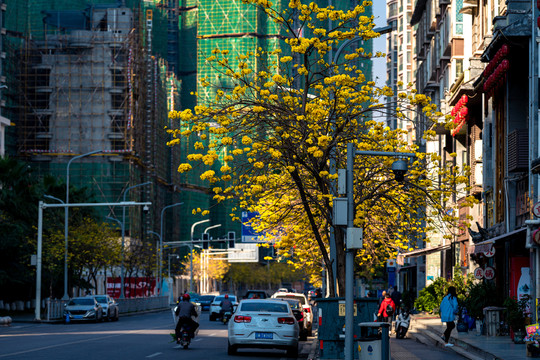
point(185, 333)
point(185, 337)
point(226, 317)
point(402, 323)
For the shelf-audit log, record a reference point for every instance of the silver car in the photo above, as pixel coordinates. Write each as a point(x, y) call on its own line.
point(110, 307)
point(263, 323)
point(83, 308)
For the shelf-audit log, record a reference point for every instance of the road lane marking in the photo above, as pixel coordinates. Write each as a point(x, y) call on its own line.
point(72, 342)
point(154, 355)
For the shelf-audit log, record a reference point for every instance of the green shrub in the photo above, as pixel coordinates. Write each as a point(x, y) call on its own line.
point(429, 299)
point(481, 295)
point(431, 296)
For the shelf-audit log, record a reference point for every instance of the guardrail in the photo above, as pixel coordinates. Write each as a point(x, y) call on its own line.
point(55, 308)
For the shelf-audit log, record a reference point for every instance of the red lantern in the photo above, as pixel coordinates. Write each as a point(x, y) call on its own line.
point(464, 99)
point(504, 50)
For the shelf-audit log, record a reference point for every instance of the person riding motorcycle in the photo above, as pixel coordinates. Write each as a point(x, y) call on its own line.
point(402, 322)
point(226, 306)
point(185, 310)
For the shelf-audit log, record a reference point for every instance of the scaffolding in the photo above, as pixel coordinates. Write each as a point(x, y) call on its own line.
point(89, 81)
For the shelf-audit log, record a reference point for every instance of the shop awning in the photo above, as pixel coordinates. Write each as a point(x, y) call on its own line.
point(421, 252)
point(485, 245)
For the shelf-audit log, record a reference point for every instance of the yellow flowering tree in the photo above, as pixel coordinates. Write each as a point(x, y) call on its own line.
point(214, 269)
point(283, 122)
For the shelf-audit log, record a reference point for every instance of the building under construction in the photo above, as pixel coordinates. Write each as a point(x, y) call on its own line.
point(87, 77)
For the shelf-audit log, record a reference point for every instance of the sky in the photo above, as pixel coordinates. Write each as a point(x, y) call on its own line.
point(379, 65)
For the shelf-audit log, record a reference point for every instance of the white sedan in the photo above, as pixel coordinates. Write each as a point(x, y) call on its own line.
point(263, 323)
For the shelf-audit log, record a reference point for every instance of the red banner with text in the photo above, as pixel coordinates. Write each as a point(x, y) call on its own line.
point(134, 286)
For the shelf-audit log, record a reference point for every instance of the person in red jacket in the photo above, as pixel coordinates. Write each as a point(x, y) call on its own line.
point(387, 309)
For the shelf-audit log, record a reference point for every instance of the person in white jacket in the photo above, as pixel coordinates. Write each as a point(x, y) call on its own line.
point(448, 311)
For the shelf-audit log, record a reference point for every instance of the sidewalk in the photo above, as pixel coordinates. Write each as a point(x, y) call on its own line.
point(428, 329)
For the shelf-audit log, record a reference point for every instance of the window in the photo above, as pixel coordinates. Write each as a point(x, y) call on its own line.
point(459, 18)
point(459, 67)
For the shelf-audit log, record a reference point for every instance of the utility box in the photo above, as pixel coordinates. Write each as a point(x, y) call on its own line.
point(332, 321)
point(492, 316)
point(339, 210)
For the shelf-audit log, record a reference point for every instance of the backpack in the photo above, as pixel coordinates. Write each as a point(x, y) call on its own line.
point(389, 310)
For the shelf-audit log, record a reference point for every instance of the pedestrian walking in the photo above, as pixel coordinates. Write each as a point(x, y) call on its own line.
point(396, 297)
point(448, 311)
point(387, 309)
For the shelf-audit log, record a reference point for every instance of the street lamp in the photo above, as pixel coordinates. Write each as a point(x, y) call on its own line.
point(191, 253)
point(349, 257)
point(66, 213)
point(355, 237)
point(41, 207)
point(157, 249)
point(123, 225)
point(161, 242)
point(332, 165)
point(170, 280)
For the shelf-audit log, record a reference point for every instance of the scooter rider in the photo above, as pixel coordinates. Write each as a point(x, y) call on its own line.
point(226, 306)
point(185, 310)
point(402, 323)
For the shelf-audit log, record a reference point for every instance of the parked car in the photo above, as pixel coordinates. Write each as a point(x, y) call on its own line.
point(256, 294)
point(215, 307)
point(110, 307)
point(83, 308)
point(306, 307)
point(205, 301)
point(263, 323)
point(298, 312)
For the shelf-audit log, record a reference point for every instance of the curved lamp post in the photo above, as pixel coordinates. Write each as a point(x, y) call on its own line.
point(191, 253)
point(161, 242)
point(349, 257)
point(123, 227)
point(66, 213)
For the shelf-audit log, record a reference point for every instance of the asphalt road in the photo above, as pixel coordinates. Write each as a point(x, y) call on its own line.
point(143, 336)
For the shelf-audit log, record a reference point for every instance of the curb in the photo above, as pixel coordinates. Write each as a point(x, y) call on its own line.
point(426, 335)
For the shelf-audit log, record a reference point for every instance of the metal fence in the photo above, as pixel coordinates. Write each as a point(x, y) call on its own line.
point(55, 308)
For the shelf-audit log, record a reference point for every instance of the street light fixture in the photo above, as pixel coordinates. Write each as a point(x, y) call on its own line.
point(123, 229)
point(349, 257)
point(41, 207)
point(191, 253)
point(170, 280)
point(161, 242)
point(355, 238)
point(66, 213)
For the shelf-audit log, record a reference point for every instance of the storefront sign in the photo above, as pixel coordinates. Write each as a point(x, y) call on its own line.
point(478, 273)
point(489, 273)
point(490, 252)
point(536, 209)
point(536, 236)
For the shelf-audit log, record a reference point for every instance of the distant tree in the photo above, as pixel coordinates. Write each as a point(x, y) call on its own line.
point(92, 247)
point(21, 189)
point(19, 193)
point(216, 269)
point(257, 275)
